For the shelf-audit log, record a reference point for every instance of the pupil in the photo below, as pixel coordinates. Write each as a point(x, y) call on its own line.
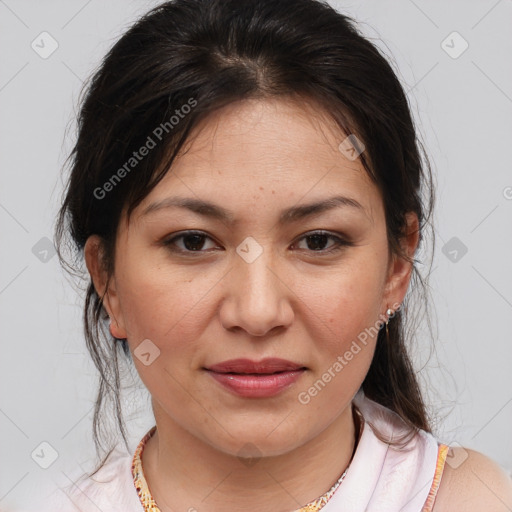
point(197, 239)
point(316, 243)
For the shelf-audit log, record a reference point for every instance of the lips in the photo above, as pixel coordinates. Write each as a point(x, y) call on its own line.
point(256, 379)
point(247, 366)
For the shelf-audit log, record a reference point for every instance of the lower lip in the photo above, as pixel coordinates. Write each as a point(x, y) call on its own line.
point(257, 386)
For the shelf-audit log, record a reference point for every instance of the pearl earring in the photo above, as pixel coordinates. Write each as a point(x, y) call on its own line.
point(389, 313)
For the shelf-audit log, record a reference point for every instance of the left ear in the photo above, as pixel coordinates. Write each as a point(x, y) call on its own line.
point(400, 270)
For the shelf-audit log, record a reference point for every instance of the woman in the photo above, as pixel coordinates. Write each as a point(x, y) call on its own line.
point(248, 194)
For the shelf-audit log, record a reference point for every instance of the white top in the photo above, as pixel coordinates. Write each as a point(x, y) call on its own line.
point(380, 478)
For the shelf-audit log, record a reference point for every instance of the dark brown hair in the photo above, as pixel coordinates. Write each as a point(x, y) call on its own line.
point(211, 53)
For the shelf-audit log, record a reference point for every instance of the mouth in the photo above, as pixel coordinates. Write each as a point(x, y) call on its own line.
point(267, 366)
point(256, 379)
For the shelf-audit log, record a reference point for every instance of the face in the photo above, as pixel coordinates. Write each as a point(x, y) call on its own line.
point(258, 283)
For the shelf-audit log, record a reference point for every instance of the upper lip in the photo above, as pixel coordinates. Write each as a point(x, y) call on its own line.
point(269, 365)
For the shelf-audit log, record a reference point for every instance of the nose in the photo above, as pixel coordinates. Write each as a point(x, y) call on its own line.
point(258, 298)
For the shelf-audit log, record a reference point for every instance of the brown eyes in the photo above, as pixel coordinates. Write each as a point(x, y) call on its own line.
point(193, 242)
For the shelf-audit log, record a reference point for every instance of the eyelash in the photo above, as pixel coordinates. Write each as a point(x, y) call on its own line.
point(340, 243)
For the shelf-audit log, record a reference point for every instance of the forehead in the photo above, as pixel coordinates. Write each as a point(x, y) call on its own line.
point(271, 151)
point(269, 135)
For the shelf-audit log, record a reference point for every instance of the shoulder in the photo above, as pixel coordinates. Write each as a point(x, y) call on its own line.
point(473, 482)
point(110, 488)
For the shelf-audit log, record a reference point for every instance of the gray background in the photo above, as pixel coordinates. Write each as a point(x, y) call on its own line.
point(463, 107)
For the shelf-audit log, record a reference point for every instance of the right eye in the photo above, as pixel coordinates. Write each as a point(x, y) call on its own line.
point(193, 242)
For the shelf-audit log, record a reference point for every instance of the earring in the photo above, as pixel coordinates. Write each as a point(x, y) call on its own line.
point(389, 313)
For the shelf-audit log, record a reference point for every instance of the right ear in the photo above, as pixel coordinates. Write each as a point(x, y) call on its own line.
point(94, 259)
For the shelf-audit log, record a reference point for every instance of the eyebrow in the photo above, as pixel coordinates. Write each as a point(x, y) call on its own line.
point(287, 216)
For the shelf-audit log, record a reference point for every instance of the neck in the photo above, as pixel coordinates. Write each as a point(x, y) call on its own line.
point(185, 473)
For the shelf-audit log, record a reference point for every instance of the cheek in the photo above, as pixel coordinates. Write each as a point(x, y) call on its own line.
point(344, 321)
point(346, 304)
point(163, 309)
point(157, 303)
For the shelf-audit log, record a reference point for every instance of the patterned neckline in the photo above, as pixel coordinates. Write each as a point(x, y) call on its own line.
point(149, 504)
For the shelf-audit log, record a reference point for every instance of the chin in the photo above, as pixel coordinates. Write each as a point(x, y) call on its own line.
point(258, 443)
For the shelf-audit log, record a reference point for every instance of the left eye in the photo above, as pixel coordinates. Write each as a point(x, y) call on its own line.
point(193, 241)
point(318, 239)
